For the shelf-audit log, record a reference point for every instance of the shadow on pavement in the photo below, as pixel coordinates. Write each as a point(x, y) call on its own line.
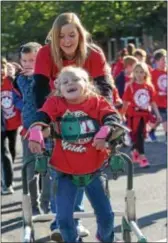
point(147, 220)
point(16, 168)
point(44, 239)
point(11, 211)
point(17, 179)
point(11, 224)
point(150, 219)
point(11, 205)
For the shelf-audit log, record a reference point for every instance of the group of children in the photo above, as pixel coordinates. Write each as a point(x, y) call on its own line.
point(143, 91)
point(139, 95)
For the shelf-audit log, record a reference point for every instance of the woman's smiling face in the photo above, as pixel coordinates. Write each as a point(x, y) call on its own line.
point(69, 40)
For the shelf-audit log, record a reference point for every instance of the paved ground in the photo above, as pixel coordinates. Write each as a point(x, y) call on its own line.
point(149, 185)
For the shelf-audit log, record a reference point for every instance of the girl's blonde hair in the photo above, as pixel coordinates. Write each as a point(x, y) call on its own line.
point(85, 40)
point(71, 71)
point(145, 68)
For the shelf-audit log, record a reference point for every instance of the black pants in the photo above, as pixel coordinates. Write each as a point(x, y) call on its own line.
point(139, 142)
point(8, 153)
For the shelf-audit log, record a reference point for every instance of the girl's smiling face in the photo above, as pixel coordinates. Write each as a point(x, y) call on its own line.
point(73, 88)
point(69, 40)
point(139, 74)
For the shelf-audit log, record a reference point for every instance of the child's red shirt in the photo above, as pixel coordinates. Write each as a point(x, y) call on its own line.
point(79, 157)
point(11, 115)
point(159, 80)
point(139, 97)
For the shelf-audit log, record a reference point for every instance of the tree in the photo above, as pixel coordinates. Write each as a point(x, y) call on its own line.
point(24, 21)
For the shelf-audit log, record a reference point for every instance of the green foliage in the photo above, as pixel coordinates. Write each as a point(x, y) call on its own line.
point(24, 21)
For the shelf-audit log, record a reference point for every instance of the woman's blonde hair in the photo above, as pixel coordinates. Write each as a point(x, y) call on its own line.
point(78, 72)
point(145, 68)
point(54, 33)
point(85, 40)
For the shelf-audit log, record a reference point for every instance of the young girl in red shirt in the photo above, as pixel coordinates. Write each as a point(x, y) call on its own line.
point(138, 99)
point(10, 122)
point(80, 150)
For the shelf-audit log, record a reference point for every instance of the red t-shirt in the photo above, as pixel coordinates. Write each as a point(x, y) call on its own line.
point(94, 64)
point(159, 80)
point(139, 96)
point(119, 66)
point(10, 113)
point(79, 157)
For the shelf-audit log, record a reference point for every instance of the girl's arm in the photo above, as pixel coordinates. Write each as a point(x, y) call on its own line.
point(155, 108)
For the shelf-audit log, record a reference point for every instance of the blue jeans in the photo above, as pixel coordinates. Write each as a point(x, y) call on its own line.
point(53, 194)
point(65, 200)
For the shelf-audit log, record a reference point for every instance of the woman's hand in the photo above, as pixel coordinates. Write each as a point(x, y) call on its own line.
point(99, 144)
point(35, 147)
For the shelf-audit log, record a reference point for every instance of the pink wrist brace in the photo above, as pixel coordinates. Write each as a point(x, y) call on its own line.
point(103, 132)
point(35, 134)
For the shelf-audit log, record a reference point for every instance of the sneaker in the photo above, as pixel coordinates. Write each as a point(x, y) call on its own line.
point(56, 236)
point(143, 162)
point(135, 156)
point(82, 231)
point(35, 210)
point(152, 136)
point(7, 190)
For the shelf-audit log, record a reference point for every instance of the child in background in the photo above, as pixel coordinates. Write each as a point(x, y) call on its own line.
point(139, 96)
point(119, 65)
point(10, 122)
point(131, 49)
point(24, 85)
point(159, 80)
point(75, 98)
point(125, 76)
point(141, 56)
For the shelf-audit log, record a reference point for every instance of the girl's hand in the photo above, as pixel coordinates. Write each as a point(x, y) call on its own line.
point(99, 144)
point(35, 147)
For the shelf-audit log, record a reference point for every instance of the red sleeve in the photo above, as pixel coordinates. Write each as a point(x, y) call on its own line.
point(43, 62)
point(104, 108)
point(50, 107)
point(97, 64)
point(116, 96)
point(127, 94)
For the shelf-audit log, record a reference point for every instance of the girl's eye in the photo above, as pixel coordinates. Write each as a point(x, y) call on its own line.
point(65, 82)
point(76, 79)
point(72, 35)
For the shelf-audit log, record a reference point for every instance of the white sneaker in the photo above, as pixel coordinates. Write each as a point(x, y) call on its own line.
point(82, 231)
point(7, 190)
